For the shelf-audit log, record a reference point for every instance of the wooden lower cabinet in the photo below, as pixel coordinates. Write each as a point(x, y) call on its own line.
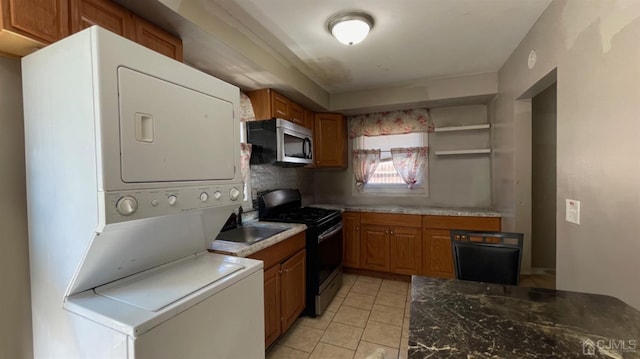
point(351, 239)
point(437, 260)
point(284, 285)
point(405, 250)
point(405, 244)
point(374, 248)
point(292, 289)
point(272, 315)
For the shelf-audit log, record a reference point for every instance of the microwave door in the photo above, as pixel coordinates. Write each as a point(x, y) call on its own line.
point(293, 147)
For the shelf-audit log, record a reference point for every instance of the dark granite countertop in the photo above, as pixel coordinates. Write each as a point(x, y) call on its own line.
point(461, 319)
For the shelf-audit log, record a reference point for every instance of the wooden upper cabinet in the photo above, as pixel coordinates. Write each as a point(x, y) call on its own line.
point(30, 24)
point(296, 113)
point(279, 106)
point(330, 140)
point(351, 240)
point(155, 38)
point(308, 118)
point(104, 13)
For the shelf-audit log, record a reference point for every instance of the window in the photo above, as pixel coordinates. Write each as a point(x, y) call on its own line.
point(385, 179)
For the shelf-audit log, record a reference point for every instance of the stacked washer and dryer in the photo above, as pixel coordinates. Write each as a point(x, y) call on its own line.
point(132, 169)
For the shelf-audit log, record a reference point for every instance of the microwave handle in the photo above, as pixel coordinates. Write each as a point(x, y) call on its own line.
point(304, 148)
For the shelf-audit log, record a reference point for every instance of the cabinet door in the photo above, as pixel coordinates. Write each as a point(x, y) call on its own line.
point(405, 250)
point(153, 37)
point(45, 21)
point(330, 140)
point(374, 248)
point(107, 14)
point(296, 113)
point(351, 240)
point(437, 258)
point(308, 119)
point(279, 106)
point(272, 314)
point(292, 289)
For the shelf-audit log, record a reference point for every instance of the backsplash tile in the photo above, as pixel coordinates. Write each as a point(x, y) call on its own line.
point(268, 177)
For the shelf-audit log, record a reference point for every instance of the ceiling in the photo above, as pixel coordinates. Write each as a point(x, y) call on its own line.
point(411, 39)
point(419, 52)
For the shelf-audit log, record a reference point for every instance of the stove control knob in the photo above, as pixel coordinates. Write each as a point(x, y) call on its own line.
point(126, 205)
point(217, 194)
point(234, 194)
point(204, 196)
point(172, 200)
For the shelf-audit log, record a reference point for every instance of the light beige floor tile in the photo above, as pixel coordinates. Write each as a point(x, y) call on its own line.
point(381, 333)
point(365, 349)
point(281, 352)
point(368, 288)
point(388, 315)
point(352, 316)
point(328, 351)
point(344, 290)
point(364, 278)
point(301, 338)
point(349, 278)
point(405, 328)
point(342, 335)
point(404, 349)
point(358, 300)
point(335, 304)
point(394, 286)
point(320, 322)
point(391, 299)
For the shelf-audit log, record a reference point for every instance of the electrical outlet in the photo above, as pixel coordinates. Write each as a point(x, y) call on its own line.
point(573, 211)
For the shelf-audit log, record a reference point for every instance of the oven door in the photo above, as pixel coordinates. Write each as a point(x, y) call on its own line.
point(329, 254)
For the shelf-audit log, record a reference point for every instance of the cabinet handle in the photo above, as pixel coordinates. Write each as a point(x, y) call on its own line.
point(391, 232)
point(357, 228)
point(386, 232)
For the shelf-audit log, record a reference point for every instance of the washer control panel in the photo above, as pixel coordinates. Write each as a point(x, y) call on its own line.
point(127, 205)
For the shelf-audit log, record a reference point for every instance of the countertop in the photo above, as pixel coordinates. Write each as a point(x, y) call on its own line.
point(244, 249)
point(451, 318)
point(434, 211)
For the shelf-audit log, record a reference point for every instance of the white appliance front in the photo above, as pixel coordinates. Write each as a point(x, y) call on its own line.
point(160, 141)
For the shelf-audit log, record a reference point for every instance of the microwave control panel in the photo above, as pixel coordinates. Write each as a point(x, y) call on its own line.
point(123, 206)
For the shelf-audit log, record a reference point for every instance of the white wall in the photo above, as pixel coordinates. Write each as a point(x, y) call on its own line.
point(454, 181)
point(15, 302)
point(594, 46)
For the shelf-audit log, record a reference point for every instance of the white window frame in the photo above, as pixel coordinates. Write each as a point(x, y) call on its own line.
point(392, 189)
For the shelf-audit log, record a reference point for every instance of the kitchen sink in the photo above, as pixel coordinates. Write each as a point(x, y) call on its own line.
point(249, 234)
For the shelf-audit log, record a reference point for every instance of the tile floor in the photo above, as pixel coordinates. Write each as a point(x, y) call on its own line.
point(367, 313)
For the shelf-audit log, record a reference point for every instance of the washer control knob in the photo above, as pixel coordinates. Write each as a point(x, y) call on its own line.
point(204, 196)
point(154, 202)
point(172, 200)
point(234, 194)
point(126, 205)
point(217, 195)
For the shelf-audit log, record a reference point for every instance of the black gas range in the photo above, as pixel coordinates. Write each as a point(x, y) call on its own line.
point(323, 243)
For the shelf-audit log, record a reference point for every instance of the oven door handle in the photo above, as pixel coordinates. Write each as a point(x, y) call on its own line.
point(329, 232)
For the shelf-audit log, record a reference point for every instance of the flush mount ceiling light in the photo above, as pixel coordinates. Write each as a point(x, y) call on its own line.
point(350, 28)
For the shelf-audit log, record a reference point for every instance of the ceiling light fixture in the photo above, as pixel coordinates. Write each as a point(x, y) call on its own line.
point(350, 28)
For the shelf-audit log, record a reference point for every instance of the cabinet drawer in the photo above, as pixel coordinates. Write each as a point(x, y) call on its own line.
point(464, 223)
point(391, 219)
point(280, 251)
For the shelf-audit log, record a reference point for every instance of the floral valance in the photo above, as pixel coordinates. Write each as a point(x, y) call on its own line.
point(391, 123)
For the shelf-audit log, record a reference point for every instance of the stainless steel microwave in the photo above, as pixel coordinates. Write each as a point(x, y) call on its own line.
point(280, 142)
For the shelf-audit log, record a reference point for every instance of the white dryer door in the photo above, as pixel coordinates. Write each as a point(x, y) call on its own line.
point(172, 133)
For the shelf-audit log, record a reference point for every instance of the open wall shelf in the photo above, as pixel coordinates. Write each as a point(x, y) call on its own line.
point(462, 128)
point(477, 151)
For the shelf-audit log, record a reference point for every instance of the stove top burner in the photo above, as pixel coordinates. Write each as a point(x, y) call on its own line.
point(306, 215)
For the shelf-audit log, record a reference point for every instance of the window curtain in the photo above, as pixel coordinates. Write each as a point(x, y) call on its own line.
point(364, 165)
point(246, 114)
point(391, 123)
point(245, 156)
point(246, 109)
point(410, 163)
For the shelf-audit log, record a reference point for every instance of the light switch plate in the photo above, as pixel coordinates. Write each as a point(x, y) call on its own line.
point(573, 211)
